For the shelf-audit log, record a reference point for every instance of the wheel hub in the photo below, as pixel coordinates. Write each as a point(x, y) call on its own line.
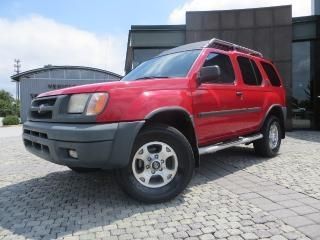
point(155, 164)
point(273, 136)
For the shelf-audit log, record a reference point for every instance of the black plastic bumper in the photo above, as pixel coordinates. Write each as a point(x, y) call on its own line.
point(104, 146)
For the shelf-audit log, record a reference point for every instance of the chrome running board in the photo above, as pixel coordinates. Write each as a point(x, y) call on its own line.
point(224, 145)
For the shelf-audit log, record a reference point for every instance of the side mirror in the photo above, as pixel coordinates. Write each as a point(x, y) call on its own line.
point(209, 74)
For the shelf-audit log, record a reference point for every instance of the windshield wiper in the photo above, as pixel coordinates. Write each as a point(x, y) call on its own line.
point(150, 77)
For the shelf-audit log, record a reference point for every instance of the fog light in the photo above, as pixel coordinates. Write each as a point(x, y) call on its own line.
point(73, 153)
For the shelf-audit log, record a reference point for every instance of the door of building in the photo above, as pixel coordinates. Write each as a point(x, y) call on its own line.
point(306, 85)
point(315, 80)
point(302, 99)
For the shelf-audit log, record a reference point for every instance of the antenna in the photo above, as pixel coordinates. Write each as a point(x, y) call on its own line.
point(17, 66)
point(16, 70)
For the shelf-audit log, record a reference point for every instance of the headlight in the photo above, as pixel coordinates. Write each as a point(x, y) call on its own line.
point(95, 103)
point(77, 103)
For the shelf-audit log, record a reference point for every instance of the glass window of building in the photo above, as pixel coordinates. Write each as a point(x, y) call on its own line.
point(302, 102)
point(100, 76)
point(72, 74)
point(42, 74)
point(87, 74)
point(57, 73)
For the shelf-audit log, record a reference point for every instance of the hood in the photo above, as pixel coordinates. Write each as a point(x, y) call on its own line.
point(149, 84)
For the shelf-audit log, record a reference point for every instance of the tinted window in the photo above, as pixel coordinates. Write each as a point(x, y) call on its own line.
point(272, 75)
point(171, 65)
point(250, 72)
point(223, 61)
point(256, 72)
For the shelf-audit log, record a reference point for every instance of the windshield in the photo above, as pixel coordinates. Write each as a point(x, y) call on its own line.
point(171, 65)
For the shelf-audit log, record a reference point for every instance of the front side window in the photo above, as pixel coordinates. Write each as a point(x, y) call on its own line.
point(225, 65)
point(167, 66)
point(250, 71)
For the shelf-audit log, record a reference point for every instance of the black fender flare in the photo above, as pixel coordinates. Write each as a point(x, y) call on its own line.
point(185, 112)
point(284, 116)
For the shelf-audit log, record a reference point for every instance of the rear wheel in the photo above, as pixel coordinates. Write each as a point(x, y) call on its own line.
point(161, 165)
point(269, 145)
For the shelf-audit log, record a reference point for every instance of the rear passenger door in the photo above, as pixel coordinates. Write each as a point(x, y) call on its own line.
point(253, 93)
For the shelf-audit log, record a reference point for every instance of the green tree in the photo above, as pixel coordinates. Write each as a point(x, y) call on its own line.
point(16, 108)
point(8, 106)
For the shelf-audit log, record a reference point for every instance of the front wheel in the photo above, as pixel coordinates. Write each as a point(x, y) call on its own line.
point(269, 145)
point(161, 165)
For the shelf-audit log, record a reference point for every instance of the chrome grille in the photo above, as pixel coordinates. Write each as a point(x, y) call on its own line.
point(42, 108)
point(55, 109)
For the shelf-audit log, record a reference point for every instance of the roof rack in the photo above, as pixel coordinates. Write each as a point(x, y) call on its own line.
point(227, 46)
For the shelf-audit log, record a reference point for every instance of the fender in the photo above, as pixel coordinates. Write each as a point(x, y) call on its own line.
point(171, 108)
point(192, 139)
point(284, 114)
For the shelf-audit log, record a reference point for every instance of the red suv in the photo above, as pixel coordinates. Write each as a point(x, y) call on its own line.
point(154, 124)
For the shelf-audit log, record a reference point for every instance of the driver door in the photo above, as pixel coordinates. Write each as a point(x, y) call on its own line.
point(217, 104)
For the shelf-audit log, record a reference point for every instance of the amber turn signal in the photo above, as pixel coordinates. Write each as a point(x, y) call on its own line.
point(97, 103)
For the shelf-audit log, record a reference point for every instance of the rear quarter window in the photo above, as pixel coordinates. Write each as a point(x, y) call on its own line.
point(272, 74)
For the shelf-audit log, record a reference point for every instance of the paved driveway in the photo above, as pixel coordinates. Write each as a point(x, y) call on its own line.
point(234, 195)
point(10, 131)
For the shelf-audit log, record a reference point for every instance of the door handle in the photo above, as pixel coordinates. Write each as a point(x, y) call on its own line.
point(318, 96)
point(239, 94)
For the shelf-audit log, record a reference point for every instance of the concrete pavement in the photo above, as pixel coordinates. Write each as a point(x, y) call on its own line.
point(234, 195)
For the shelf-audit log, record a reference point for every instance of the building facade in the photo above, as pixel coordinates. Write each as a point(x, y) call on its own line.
point(48, 78)
point(292, 43)
point(315, 8)
point(145, 42)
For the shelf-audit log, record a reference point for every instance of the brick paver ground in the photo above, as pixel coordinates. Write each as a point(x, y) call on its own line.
point(234, 195)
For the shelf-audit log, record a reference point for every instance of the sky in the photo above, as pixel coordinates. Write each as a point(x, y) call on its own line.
point(92, 33)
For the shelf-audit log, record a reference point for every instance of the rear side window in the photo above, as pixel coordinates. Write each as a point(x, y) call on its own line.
point(223, 61)
point(256, 72)
point(272, 74)
point(250, 71)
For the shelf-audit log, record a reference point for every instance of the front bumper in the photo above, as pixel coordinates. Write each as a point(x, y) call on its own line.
point(104, 146)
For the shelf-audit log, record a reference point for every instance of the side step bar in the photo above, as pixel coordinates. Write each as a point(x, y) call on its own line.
point(220, 146)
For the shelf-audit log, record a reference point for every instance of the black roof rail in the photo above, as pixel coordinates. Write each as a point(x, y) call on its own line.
point(227, 46)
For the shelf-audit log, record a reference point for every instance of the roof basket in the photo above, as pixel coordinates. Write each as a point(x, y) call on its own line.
point(227, 46)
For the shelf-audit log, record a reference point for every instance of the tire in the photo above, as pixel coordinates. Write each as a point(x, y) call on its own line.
point(161, 165)
point(83, 170)
point(269, 145)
